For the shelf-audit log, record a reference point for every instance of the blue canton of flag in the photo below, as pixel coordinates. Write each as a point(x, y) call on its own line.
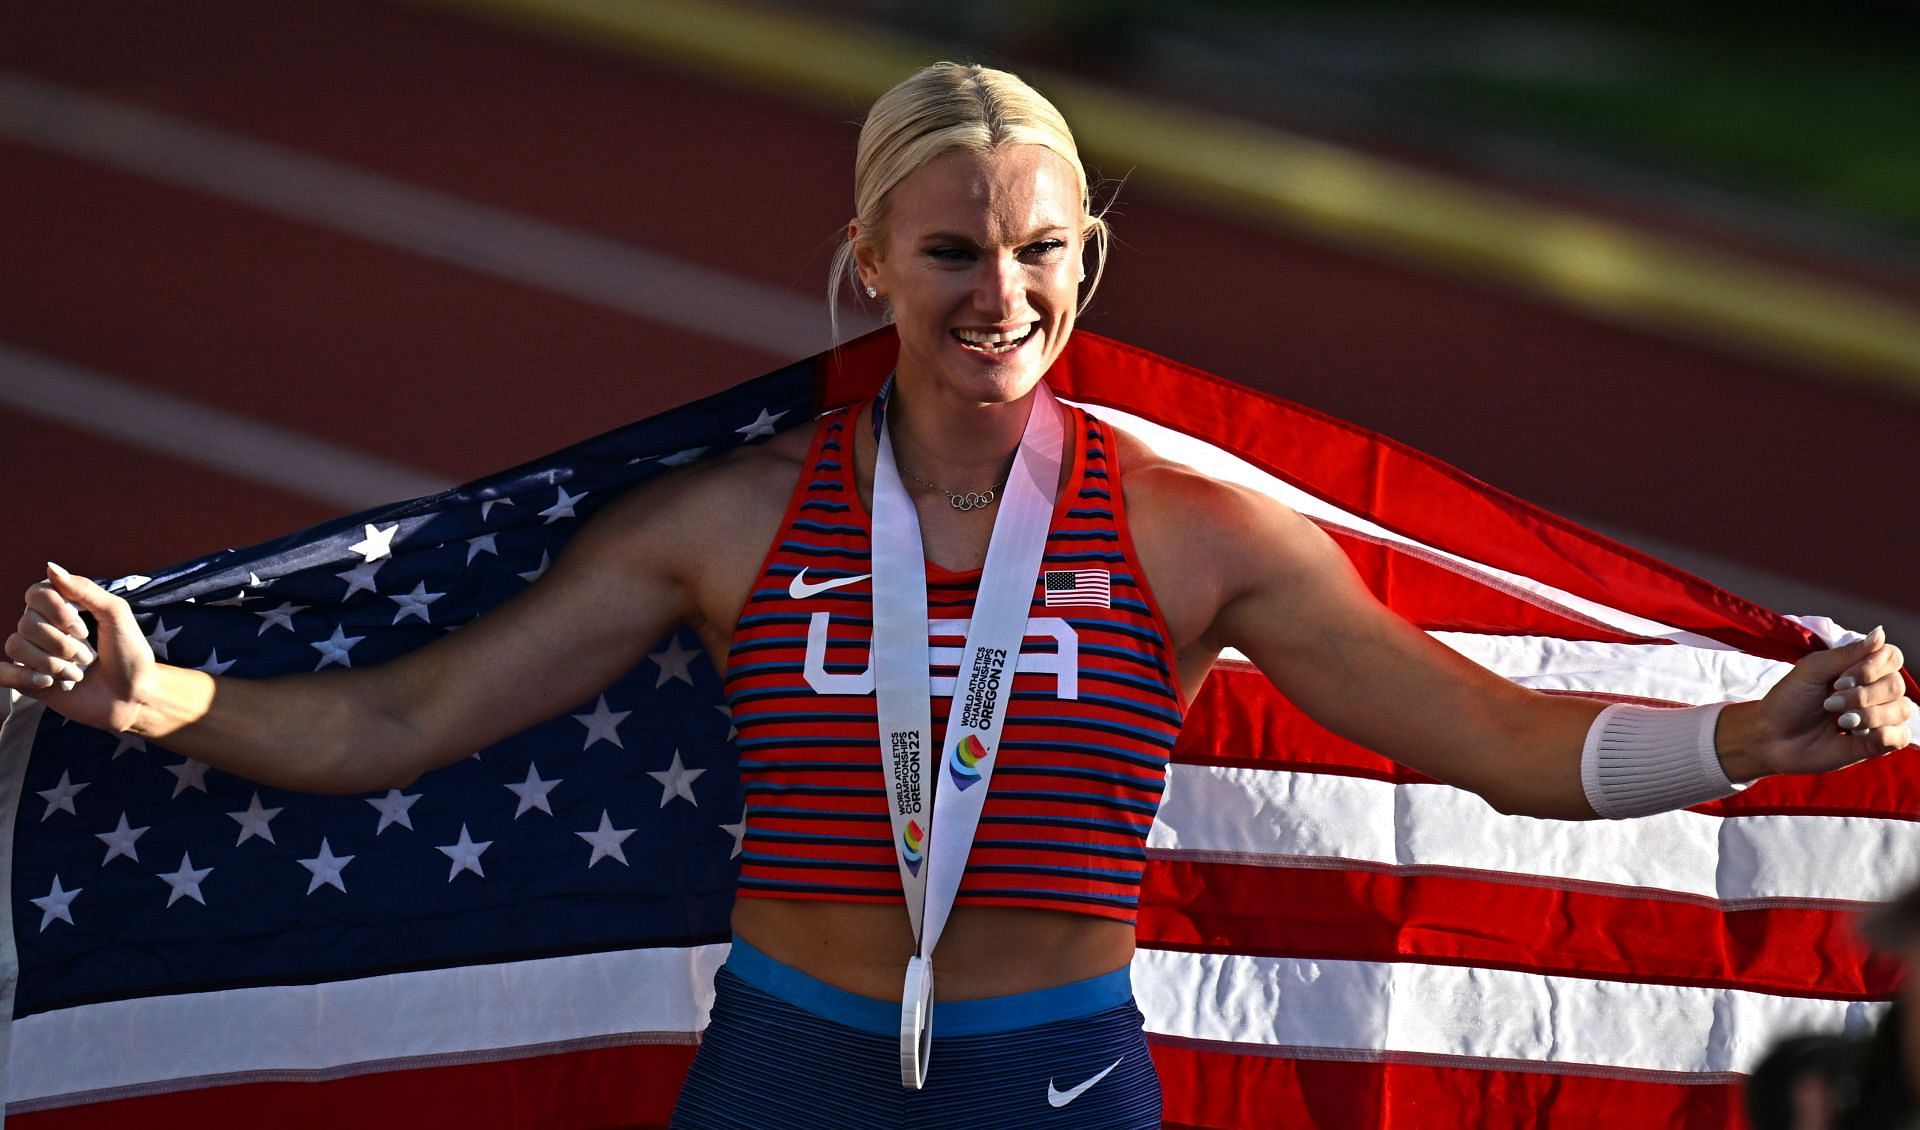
point(138, 874)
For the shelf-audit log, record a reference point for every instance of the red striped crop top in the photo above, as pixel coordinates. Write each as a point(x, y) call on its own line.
point(1093, 716)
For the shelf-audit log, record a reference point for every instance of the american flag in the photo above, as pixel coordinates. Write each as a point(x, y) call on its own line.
point(1085, 588)
point(527, 936)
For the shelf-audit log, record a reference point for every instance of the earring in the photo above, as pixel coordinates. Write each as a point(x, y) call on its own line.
point(872, 293)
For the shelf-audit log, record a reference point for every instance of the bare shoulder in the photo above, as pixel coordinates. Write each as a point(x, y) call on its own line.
point(704, 527)
point(1203, 541)
point(710, 503)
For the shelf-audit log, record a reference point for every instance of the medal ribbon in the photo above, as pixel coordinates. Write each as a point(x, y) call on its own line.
point(934, 803)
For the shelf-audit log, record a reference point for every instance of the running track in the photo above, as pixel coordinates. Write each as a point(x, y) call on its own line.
point(510, 243)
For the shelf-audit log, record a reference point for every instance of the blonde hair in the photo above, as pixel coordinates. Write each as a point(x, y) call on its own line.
point(940, 109)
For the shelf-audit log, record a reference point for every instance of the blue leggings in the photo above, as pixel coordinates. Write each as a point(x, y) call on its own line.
point(784, 1049)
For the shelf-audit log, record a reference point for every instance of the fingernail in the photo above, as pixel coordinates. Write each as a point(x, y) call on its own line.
point(1878, 636)
point(1834, 702)
point(75, 672)
point(67, 684)
point(1844, 683)
point(1859, 731)
point(1850, 720)
point(41, 680)
point(86, 657)
point(52, 568)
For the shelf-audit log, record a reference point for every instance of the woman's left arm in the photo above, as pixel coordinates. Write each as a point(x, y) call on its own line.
point(1290, 600)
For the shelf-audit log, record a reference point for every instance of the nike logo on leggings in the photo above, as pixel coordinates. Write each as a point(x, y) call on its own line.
point(1056, 1098)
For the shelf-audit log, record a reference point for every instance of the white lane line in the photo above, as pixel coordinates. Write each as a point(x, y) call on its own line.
point(421, 221)
point(195, 433)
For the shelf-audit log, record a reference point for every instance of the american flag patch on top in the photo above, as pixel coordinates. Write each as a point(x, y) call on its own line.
point(1087, 588)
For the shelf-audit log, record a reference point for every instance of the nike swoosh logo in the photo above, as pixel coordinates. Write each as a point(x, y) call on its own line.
point(1062, 1098)
point(799, 589)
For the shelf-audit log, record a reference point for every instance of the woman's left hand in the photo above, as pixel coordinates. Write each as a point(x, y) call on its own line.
point(1834, 708)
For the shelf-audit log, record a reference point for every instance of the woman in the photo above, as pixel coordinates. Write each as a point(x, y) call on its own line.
point(828, 566)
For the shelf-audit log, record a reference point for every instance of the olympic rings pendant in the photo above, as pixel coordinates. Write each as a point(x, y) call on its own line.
point(973, 499)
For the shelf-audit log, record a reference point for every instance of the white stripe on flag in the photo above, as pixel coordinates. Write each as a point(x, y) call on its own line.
point(1319, 1009)
point(466, 1013)
point(1283, 818)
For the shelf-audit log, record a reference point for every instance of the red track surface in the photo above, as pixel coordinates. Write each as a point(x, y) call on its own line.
point(458, 373)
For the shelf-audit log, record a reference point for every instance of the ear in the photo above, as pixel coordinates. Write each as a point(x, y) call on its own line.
point(866, 256)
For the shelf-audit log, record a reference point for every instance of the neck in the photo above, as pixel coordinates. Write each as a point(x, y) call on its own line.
point(958, 445)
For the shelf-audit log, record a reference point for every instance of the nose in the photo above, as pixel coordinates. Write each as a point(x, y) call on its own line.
point(1001, 287)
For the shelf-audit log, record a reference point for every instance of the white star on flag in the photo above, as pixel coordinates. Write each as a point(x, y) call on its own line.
point(60, 797)
point(681, 458)
point(415, 603)
point(603, 724)
point(676, 780)
point(127, 742)
point(533, 792)
point(120, 841)
point(377, 544)
point(127, 583)
point(255, 821)
point(186, 881)
point(482, 544)
point(675, 662)
point(606, 841)
point(234, 601)
point(393, 809)
point(465, 854)
point(546, 560)
point(213, 666)
point(160, 637)
point(486, 507)
point(334, 649)
point(760, 427)
point(326, 868)
point(563, 506)
point(189, 774)
point(739, 834)
point(733, 731)
point(360, 577)
point(59, 904)
point(281, 617)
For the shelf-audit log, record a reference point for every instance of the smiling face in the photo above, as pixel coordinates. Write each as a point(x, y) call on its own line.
point(980, 260)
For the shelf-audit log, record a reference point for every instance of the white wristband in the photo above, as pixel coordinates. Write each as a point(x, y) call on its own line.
point(1639, 760)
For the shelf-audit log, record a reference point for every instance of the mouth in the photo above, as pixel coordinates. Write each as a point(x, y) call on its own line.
point(995, 342)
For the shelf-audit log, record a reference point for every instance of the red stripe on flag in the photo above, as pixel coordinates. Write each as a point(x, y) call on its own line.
point(1363, 915)
point(1440, 598)
point(630, 1086)
point(1223, 1089)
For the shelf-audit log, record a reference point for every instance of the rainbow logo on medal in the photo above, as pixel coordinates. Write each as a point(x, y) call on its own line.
point(962, 766)
point(912, 839)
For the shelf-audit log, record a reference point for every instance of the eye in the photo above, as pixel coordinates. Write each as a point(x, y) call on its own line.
point(949, 253)
point(1045, 248)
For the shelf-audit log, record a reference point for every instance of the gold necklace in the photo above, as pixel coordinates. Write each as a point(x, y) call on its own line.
point(971, 500)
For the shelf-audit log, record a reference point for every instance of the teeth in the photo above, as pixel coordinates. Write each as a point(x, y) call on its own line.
point(998, 342)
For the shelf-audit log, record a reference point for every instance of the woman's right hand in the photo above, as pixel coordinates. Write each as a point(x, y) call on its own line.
point(90, 680)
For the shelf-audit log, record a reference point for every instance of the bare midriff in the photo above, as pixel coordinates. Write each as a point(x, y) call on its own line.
point(986, 951)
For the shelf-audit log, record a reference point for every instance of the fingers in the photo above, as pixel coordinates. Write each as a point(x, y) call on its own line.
point(1886, 727)
point(36, 658)
point(36, 630)
point(49, 640)
point(83, 592)
point(15, 677)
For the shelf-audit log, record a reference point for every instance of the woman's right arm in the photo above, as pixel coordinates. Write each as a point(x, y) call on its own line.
point(621, 584)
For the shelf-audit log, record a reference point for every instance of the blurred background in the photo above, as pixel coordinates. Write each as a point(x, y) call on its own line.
point(1654, 266)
